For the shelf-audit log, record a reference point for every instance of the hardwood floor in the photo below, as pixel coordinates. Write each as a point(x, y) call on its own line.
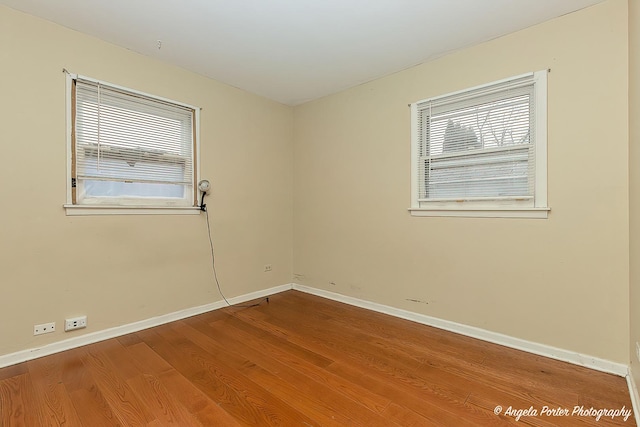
point(301, 360)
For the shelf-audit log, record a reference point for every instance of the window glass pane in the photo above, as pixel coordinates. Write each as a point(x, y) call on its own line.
point(487, 175)
point(131, 170)
point(478, 149)
point(495, 124)
point(132, 189)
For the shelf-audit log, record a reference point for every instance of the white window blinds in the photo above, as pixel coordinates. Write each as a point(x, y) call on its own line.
point(478, 144)
point(129, 146)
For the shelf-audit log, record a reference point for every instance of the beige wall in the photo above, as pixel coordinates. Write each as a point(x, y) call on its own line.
point(563, 281)
point(120, 269)
point(634, 182)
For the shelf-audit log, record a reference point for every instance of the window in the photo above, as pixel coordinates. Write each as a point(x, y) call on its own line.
point(129, 152)
point(482, 151)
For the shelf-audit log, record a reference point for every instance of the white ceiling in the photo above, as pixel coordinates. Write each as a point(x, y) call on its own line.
point(294, 51)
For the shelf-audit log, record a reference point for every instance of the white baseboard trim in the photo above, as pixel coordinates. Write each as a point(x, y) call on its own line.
point(93, 337)
point(592, 362)
point(633, 393)
point(471, 331)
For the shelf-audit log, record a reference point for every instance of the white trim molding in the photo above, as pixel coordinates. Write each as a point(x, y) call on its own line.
point(540, 213)
point(587, 361)
point(633, 394)
point(93, 337)
point(470, 331)
point(83, 210)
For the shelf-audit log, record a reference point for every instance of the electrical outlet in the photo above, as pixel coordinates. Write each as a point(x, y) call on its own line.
point(75, 323)
point(267, 267)
point(45, 328)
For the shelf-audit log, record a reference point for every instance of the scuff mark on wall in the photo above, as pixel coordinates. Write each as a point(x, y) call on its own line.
point(416, 300)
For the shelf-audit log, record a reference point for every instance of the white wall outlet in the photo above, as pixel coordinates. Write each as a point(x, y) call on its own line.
point(75, 323)
point(44, 328)
point(267, 267)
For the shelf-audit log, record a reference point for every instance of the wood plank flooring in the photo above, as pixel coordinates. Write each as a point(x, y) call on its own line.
point(301, 360)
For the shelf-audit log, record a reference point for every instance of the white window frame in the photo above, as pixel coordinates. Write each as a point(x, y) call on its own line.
point(508, 207)
point(122, 206)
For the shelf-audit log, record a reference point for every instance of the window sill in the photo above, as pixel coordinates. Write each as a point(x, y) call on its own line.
point(536, 213)
point(75, 210)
